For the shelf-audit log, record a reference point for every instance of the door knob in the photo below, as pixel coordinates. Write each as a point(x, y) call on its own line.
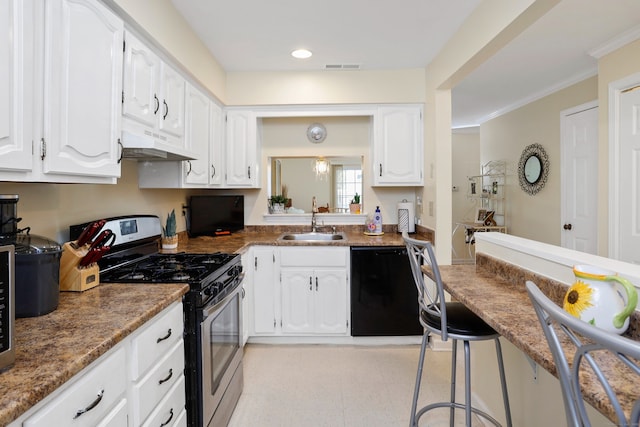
point(567, 227)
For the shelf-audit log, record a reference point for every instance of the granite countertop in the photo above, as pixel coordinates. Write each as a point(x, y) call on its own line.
point(52, 348)
point(268, 235)
point(496, 292)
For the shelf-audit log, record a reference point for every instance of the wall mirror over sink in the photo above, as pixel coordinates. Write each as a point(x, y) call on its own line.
point(533, 169)
point(300, 179)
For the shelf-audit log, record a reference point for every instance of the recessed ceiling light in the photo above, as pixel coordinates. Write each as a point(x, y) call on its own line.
point(301, 54)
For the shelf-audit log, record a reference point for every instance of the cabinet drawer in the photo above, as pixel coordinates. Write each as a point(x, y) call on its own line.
point(313, 257)
point(117, 417)
point(156, 340)
point(148, 392)
point(168, 411)
point(107, 379)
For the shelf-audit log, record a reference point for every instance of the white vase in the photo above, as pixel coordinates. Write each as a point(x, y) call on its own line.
point(278, 208)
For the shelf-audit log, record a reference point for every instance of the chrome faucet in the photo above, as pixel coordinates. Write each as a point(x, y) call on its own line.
point(314, 211)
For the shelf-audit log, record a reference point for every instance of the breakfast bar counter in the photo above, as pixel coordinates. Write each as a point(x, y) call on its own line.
point(496, 291)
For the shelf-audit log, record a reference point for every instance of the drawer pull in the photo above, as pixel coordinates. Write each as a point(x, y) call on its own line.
point(164, 337)
point(169, 420)
point(91, 406)
point(164, 380)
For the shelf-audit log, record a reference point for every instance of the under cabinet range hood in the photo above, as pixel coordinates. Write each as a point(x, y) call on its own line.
point(150, 146)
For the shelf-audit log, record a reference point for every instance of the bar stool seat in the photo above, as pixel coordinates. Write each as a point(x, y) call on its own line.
point(449, 320)
point(460, 321)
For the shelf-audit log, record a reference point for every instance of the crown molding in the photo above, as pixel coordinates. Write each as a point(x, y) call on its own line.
point(616, 43)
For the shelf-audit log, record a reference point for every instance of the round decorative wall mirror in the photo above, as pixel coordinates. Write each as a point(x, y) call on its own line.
point(533, 169)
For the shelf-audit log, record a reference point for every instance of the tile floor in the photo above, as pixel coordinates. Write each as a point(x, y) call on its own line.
point(338, 386)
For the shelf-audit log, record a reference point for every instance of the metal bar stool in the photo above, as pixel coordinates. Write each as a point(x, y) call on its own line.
point(449, 320)
point(588, 341)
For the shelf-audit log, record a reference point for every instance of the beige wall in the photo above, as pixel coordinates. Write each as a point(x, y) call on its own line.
point(346, 137)
point(614, 66)
point(492, 25)
point(49, 209)
point(465, 163)
point(325, 87)
point(534, 217)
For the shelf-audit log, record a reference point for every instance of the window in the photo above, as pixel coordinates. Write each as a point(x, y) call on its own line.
point(348, 182)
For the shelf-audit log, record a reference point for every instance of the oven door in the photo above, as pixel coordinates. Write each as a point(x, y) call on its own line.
point(222, 356)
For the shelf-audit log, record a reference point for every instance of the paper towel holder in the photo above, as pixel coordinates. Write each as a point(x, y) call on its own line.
point(406, 217)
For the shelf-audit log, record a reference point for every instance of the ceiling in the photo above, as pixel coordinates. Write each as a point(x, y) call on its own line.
point(254, 35)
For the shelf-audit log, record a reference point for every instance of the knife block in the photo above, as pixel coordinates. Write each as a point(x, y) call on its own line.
point(72, 276)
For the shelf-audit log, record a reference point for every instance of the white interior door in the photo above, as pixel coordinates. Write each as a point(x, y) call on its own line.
point(627, 171)
point(579, 128)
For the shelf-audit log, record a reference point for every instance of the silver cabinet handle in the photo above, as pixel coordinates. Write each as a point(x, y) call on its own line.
point(157, 104)
point(169, 420)
point(168, 377)
point(310, 283)
point(190, 167)
point(380, 169)
point(164, 337)
point(166, 109)
point(316, 284)
point(91, 405)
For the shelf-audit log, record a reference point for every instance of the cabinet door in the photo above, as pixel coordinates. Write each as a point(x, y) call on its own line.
point(330, 301)
point(216, 146)
point(141, 73)
point(297, 301)
point(82, 88)
point(398, 158)
point(264, 291)
point(197, 137)
point(172, 102)
point(241, 146)
point(16, 68)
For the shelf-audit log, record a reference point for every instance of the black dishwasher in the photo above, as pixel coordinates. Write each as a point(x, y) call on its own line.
point(384, 298)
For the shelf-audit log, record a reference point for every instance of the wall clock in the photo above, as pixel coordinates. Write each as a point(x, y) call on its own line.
point(316, 133)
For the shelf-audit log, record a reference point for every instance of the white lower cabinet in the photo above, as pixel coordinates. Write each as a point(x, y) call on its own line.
point(314, 301)
point(157, 363)
point(171, 410)
point(140, 382)
point(90, 399)
point(300, 291)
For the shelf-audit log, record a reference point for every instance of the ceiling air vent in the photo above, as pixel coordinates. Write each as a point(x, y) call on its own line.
point(342, 67)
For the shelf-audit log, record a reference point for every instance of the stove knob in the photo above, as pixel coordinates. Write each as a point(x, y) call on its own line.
point(211, 290)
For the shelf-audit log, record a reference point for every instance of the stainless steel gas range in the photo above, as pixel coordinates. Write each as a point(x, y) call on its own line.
point(212, 310)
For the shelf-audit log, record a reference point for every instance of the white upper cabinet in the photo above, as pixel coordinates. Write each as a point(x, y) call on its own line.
point(142, 71)
point(398, 146)
point(172, 91)
point(82, 89)
point(16, 73)
point(216, 146)
point(197, 137)
point(242, 149)
point(60, 91)
point(153, 96)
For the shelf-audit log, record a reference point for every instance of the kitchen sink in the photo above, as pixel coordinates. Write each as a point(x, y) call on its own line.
point(313, 237)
